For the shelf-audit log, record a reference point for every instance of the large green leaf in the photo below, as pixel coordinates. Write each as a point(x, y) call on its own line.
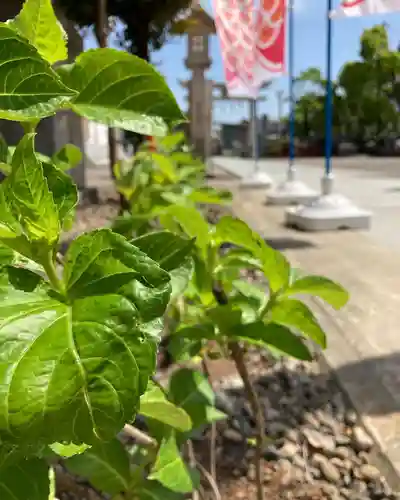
point(102, 262)
point(318, 286)
point(63, 191)
point(29, 88)
point(191, 390)
point(155, 405)
point(105, 465)
point(169, 250)
point(122, 90)
point(29, 194)
point(25, 479)
point(85, 363)
point(274, 264)
point(273, 335)
point(296, 315)
point(38, 23)
point(170, 469)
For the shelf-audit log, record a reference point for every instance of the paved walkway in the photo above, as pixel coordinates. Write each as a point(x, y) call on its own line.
point(364, 338)
point(372, 183)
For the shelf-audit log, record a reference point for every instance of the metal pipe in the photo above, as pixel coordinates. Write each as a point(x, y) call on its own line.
point(254, 133)
point(329, 94)
point(292, 104)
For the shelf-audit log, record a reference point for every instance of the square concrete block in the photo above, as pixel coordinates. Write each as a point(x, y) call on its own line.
point(291, 192)
point(328, 213)
point(256, 180)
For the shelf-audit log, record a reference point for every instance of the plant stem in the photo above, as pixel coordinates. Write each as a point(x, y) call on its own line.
point(51, 272)
point(238, 358)
point(141, 437)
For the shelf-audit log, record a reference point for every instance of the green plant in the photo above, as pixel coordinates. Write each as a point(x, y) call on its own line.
point(159, 175)
point(78, 335)
point(222, 313)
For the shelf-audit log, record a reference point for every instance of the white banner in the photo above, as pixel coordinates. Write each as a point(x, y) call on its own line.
point(354, 8)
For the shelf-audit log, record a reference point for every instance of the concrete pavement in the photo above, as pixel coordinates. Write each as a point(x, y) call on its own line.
point(371, 183)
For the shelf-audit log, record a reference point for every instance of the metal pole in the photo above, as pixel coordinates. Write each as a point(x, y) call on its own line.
point(328, 103)
point(292, 169)
point(254, 133)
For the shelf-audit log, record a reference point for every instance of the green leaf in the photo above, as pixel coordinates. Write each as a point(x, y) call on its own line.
point(180, 278)
point(273, 335)
point(318, 286)
point(169, 469)
point(29, 88)
point(166, 166)
point(105, 465)
point(170, 142)
point(68, 157)
point(169, 250)
point(102, 262)
point(29, 195)
point(182, 349)
point(69, 450)
point(153, 490)
point(121, 90)
point(94, 358)
point(23, 279)
point(38, 23)
point(274, 264)
point(225, 317)
point(25, 479)
point(63, 191)
point(192, 223)
point(197, 332)
point(209, 195)
point(155, 405)
point(295, 314)
point(190, 390)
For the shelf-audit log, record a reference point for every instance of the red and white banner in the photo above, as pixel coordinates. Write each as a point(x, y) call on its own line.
point(353, 8)
point(252, 43)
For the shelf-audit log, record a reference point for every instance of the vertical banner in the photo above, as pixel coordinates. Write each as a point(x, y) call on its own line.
point(355, 8)
point(252, 43)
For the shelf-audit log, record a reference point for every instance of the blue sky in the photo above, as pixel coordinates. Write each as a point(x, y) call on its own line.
point(310, 30)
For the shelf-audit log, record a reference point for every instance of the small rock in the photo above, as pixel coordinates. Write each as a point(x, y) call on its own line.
point(328, 470)
point(251, 473)
point(369, 472)
point(277, 429)
point(285, 469)
point(363, 457)
point(311, 420)
point(271, 453)
point(292, 435)
point(342, 452)
point(319, 441)
point(328, 421)
point(233, 435)
point(272, 414)
point(361, 440)
point(299, 462)
point(289, 450)
point(342, 440)
point(359, 488)
point(350, 418)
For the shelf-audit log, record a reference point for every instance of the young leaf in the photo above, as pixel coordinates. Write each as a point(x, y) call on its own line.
point(68, 157)
point(274, 264)
point(25, 479)
point(192, 222)
point(170, 142)
point(273, 335)
point(29, 88)
point(68, 450)
point(105, 465)
point(153, 490)
point(155, 405)
point(169, 469)
point(69, 345)
point(38, 23)
point(166, 166)
point(209, 195)
point(191, 390)
point(102, 262)
point(169, 250)
point(296, 315)
point(318, 286)
point(29, 195)
point(121, 90)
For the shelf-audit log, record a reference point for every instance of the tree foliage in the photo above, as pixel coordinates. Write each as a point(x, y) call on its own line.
point(366, 96)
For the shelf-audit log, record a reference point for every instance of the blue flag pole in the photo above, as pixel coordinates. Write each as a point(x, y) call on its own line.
point(292, 123)
point(328, 178)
